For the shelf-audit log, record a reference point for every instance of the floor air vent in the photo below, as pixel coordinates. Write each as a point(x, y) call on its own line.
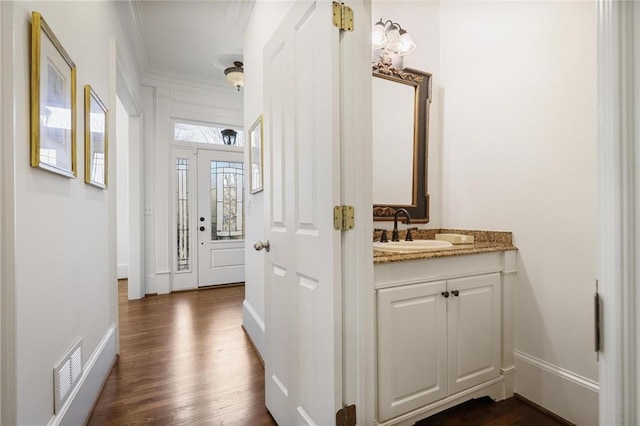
point(66, 375)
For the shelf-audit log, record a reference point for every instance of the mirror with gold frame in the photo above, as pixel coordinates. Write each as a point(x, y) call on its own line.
point(401, 100)
point(95, 139)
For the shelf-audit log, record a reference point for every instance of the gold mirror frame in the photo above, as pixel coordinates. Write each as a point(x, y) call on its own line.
point(421, 81)
point(92, 132)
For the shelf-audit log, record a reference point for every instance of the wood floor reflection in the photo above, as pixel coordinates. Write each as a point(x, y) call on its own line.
point(184, 359)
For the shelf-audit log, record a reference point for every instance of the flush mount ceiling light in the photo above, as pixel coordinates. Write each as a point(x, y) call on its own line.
point(235, 75)
point(391, 37)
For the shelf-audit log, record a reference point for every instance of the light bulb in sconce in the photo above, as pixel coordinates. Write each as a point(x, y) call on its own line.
point(379, 35)
point(393, 40)
point(406, 43)
point(391, 37)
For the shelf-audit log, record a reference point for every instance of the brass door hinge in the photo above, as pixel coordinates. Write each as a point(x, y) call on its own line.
point(343, 218)
point(342, 16)
point(346, 416)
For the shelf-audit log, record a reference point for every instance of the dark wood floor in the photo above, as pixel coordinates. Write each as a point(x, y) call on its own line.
point(184, 360)
point(485, 412)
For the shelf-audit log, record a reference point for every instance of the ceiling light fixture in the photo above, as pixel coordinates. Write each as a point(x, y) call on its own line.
point(229, 136)
point(391, 37)
point(235, 75)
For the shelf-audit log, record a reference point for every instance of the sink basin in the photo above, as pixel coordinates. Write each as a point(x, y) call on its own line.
point(411, 246)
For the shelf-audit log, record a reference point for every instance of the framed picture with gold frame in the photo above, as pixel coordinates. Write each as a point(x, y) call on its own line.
point(95, 139)
point(53, 102)
point(255, 156)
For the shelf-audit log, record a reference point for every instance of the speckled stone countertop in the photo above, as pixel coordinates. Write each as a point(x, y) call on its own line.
point(485, 242)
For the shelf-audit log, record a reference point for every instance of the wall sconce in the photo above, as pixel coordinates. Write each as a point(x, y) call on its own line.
point(391, 37)
point(229, 136)
point(235, 75)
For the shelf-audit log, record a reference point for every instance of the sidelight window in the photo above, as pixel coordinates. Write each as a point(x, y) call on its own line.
point(182, 214)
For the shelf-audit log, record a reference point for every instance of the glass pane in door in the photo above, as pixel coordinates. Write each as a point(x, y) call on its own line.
point(182, 214)
point(227, 205)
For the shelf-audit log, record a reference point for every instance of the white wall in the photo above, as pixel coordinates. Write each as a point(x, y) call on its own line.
point(65, 230)
point(262, 24)
point(422, 20)
point(519, 154)
point(122, 179)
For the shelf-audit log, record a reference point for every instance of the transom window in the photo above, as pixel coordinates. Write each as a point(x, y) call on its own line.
point(205, 133)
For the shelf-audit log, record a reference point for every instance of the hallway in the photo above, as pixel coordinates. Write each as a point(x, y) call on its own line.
point(184, 359)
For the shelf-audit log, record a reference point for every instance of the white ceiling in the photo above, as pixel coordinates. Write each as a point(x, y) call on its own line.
point(186, 39)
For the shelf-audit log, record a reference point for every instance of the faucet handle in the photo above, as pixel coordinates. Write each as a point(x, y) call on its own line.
point(383, 236)
point(409, 236)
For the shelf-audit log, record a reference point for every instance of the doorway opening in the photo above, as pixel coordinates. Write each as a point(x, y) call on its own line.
point(207, 200)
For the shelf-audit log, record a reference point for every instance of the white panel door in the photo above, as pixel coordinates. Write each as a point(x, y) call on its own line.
point(303, 303)
point(474, 330)
point(220, 218)
point(412, 347)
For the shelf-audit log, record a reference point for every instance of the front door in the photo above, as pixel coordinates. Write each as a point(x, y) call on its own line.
point(303, 306)
point(207, 206)
point(220, 219)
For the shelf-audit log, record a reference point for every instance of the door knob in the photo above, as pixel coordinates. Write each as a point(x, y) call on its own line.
point(202, 228)
point(260, 245)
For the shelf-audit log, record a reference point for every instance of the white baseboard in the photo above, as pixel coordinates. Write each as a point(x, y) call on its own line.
point(564, 393)
point(254, 326)
point(123, 271)
point(78, 407)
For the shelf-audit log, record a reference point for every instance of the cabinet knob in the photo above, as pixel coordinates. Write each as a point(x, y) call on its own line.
point(445, 294)
point(455, 293)
point(202, 228)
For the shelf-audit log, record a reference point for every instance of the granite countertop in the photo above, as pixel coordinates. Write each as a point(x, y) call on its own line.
point(485, 242)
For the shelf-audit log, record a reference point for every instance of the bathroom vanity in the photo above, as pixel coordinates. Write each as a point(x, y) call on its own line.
point(443, 326)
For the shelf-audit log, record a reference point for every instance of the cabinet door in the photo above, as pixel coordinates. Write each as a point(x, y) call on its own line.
point(412, 347)
point(474, 330)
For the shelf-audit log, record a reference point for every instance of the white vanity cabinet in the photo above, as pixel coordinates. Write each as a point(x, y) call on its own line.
point(439, 333)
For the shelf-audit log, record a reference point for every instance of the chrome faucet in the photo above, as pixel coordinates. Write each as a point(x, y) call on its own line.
point(394, 233)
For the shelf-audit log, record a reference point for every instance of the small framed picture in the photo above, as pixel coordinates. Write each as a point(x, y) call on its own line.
point(53, 102)
point(255, 156)
point(95, 139)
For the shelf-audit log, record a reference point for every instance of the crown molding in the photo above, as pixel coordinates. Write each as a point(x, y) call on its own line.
point(132, 23)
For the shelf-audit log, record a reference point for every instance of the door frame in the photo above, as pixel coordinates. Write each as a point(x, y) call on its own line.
point(8, 381)
point(356, 190)
point(125, 92)
point(618, 212)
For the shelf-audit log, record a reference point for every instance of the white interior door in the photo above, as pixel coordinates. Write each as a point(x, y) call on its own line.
point(302, 184)
point(220, 219)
